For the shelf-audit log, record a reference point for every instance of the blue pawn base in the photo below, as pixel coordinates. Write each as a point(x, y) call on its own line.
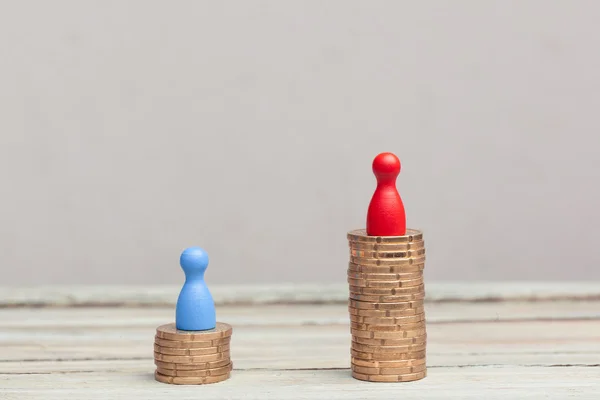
point(186, 329)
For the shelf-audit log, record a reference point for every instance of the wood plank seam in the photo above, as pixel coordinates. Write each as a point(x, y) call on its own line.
point(465, 366)
point(288, 294)
point(165, 304)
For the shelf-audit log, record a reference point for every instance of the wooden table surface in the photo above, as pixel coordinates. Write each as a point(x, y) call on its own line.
point(490, 342)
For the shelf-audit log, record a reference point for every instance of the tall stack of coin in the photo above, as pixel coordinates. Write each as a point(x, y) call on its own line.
point(387, 318)
point(192, 357)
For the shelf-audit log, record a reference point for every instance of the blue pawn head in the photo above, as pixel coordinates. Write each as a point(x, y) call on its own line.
point(195, 306)
point(194, 261)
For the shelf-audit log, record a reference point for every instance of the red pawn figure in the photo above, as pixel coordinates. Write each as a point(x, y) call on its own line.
point(386, 215)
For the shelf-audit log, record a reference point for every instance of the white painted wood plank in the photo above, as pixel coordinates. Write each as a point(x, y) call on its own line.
point(297, 314)
point(309, 346)
point(278, 359)
point(491, 383)
point(288, 362)
point(288, 293)
point(492, 350)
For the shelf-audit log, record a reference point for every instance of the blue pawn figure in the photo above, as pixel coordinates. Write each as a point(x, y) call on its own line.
point(195, 306)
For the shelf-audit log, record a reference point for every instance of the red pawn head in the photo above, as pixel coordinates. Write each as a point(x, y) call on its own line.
point(386, 216)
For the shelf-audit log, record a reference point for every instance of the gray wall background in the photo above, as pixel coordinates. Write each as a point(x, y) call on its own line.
point(130, 130)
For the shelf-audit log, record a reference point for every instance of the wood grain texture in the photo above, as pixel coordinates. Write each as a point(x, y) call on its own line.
point(475, 383)
point(496, 350)
point(166, 295)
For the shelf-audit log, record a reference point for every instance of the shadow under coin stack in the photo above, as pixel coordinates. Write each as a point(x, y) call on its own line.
point(387, 318)
point(192, 357)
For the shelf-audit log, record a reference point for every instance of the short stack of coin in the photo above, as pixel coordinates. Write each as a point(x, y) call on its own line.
point(387, 318)
point(192, 357)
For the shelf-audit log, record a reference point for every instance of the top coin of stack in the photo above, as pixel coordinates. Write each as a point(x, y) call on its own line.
point(387, 317)
point(192, 357)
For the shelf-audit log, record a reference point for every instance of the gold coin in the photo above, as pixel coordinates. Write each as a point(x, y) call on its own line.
point(363, 305)
point(388, 364)
point(383, 299)
point(388, 371)
point(388, 328)
point(190, 380)
point(170, 332)
point(410, 319)
point(365, 348)
point(360, 235)
point(388, 262)
point(386, 313)
point(190, 352)
point(384, 277)
point(398, 313)
point(385, 247)
point(390, 378)
point(386, 255)
point(387, 334)
point(386, 284)
point(392, 342)
point(193, 366)
point(188, 344)
point(200, 372)
point(387, 356)
point(191, 359)
point(386, 291)
point(385, 269)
